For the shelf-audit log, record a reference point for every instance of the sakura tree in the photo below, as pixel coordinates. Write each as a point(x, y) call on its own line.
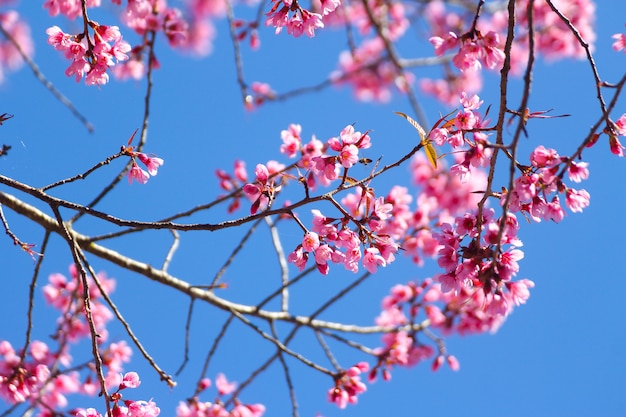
point(330, 194)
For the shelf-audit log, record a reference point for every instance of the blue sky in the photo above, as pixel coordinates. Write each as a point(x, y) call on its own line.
point(562, 354)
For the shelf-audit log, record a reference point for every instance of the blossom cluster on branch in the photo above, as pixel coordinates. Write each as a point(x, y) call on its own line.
point(468, 191)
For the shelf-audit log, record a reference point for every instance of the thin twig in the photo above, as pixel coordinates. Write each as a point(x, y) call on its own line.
point(282, 262)
point(171, 251)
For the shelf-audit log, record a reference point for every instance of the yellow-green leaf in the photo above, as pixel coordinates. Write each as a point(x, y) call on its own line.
point(431, 153)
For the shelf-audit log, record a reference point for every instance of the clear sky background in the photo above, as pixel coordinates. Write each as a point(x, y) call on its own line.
point(562, 354)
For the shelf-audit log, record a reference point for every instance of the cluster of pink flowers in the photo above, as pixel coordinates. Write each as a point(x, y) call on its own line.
point(125, 408)
point(137, 173)
point(22, 380)
point(483, 46)
point(44, 377)
point(365, 67)
point(298, 20)
point(473, 49)
point(29, 376)
point(346, 147)
point(470, 260)
point(464, 130)
point(324, 161)
point(91, 58)
point(196, 408)
point(193, 34)
point(332, 240)
point(536, 192)
point(65, 296)
point(348, 385)
point(152, 163)
point(464, 311)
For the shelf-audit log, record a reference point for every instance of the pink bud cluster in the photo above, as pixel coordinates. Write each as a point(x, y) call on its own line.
point(90, 58)
point(348, 386)
point(536, 192)
point(196, 408)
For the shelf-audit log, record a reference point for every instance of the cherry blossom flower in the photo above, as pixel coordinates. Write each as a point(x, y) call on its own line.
point(130, 380)
point(152, 163)
point(263, 190)
point(138, 174)
point(372, 259)
point(620, 42)
point(223, 386)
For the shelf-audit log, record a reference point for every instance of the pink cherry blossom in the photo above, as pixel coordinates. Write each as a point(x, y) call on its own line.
point(578, 171)
point(152, 163)
point(576, 200)
point(310, 242)
point(138, 174)
point(620, 42)
point(372, 259)
point(298, 257)
point(130, 380)
point(223, 386)
point(292, 141)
